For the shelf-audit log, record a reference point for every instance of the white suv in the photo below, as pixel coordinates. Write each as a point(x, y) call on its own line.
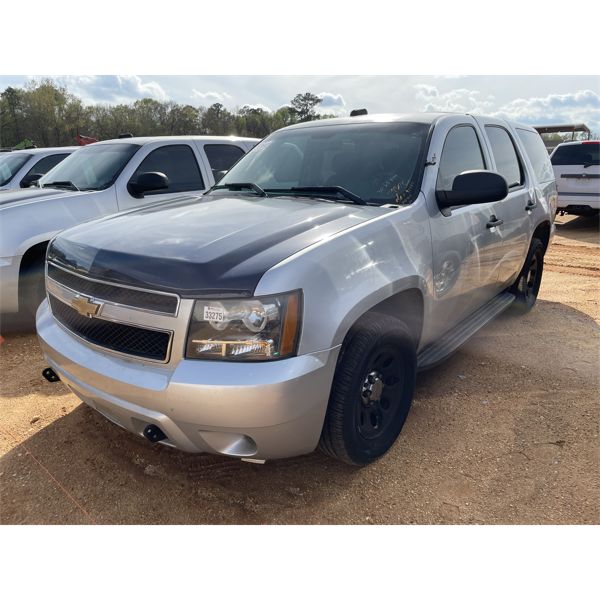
point(21, 168)
point(577, 171)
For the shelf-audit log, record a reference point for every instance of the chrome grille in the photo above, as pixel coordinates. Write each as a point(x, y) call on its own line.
point(161, 303)
point(118, 337)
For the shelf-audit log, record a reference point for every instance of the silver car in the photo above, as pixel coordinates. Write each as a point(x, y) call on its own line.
point(292, 305)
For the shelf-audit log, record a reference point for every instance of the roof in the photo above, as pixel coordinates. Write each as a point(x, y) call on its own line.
point(56, 149)
point(422, 117)
point(176, 138)
point(564, 128)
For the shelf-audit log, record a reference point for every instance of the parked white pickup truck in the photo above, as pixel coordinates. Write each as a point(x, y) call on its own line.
point(98, 180)
point(21, 168)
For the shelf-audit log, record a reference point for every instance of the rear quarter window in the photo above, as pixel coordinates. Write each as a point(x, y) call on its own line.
point(538, 155)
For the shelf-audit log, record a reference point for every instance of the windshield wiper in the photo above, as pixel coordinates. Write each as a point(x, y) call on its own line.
point(67, 185)
point(330, 189)
point(237, 187)
point(591, 164)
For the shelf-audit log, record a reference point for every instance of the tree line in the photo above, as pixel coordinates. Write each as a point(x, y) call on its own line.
point(47, 114)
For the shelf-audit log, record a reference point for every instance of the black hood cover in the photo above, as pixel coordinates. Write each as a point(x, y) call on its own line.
point(213, 245)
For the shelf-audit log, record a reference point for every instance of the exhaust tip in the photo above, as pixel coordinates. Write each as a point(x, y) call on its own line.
point(50, 375)
point(154, 434)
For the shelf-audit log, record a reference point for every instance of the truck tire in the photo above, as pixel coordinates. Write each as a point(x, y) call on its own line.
point(527, 286)
point(32, 291)
point(372, 390)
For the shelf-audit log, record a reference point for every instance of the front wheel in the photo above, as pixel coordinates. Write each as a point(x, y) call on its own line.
point(372, 390)
point(527, 286)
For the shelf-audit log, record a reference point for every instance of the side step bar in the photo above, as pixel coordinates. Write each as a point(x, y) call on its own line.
point(459, 334)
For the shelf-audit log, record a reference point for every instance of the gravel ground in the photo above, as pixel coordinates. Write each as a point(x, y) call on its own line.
point(506, 431)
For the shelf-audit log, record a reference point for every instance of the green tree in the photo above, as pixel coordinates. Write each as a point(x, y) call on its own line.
point(304, 106)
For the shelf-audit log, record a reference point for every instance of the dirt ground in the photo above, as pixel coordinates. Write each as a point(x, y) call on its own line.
point(506, 431)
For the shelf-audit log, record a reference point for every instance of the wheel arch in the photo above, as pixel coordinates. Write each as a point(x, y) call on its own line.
point(542, 232)
point(407, 305)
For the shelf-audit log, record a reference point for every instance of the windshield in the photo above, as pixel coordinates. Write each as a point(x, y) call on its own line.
point(587, 153)
point(10, 163)
point(379, 162)
point(94, 167)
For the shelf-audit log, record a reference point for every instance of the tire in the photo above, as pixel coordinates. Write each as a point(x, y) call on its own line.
point(528, 283)
point(372, 390)
point(32, 292)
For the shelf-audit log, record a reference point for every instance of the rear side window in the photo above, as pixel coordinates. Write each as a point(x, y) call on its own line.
point(505, 155)
point(45, 164)
point(222, 157)
point(538, 155)
point(586, 154)
point(178, 163)
point(462, 152)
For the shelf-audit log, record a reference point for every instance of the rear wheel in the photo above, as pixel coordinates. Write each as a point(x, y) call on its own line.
point(372, 391)
point(527, 286)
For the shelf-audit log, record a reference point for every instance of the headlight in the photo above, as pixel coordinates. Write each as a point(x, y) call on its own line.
point(264, 328)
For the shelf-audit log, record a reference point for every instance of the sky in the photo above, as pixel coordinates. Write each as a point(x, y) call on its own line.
point(525, 98)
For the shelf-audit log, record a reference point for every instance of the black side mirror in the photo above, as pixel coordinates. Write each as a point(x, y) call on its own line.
point(473, 187)
point(147, 182)
point(28, 180)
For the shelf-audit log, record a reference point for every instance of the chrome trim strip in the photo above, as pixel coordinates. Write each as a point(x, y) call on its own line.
point(119, 285)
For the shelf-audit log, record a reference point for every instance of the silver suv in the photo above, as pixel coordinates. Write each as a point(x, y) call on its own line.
point(291, 306)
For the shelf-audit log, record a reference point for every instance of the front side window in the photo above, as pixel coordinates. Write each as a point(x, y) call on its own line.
point(380, 162)
point(505, 155)
point(222, 157)
point(538, 155)
point(43, 165)
point(93, 167)
point(178, 163)
point(461, 152)
point(585, 154)
point(10, 163)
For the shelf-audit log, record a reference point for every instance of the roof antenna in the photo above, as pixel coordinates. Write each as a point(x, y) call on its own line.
point(359, 112)
point(125, 135)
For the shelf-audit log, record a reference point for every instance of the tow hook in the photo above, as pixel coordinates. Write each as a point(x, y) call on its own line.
point(154, 434)
point(50, 375)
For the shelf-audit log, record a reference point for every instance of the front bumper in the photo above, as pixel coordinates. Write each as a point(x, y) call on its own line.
point(9, 284)
point(248, 410)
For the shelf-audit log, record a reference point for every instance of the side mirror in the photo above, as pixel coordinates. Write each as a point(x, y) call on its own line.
point(473, 187)
point(147, 182)
point(28, 180)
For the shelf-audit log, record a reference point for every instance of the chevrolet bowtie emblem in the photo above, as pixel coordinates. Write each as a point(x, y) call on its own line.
point(86, 306)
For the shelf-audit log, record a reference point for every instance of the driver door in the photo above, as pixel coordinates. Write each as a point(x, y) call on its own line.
point(467, 248)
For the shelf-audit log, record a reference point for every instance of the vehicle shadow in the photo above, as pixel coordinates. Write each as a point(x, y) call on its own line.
point(81, 468)
point(580, 229)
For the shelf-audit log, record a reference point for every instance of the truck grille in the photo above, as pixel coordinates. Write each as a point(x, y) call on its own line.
point(162, 303)
point(127, 339)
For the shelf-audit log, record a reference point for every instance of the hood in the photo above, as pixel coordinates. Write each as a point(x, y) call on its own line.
point(215, 245)
point(28, 195)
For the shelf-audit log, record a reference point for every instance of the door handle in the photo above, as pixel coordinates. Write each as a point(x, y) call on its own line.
point(531, 204)
point(494, 222)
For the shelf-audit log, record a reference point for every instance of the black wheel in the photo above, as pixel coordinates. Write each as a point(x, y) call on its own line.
point(32, 291)
point(527, 286)
point(372, 390)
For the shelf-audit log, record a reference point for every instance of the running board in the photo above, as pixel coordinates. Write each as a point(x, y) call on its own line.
point(459, 334)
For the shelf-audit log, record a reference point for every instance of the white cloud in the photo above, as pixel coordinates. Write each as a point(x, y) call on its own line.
point(579, 106)
point(112, 88)
point(457, 100)
point(259, 106)
point(212, 97)
point(332, 104)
